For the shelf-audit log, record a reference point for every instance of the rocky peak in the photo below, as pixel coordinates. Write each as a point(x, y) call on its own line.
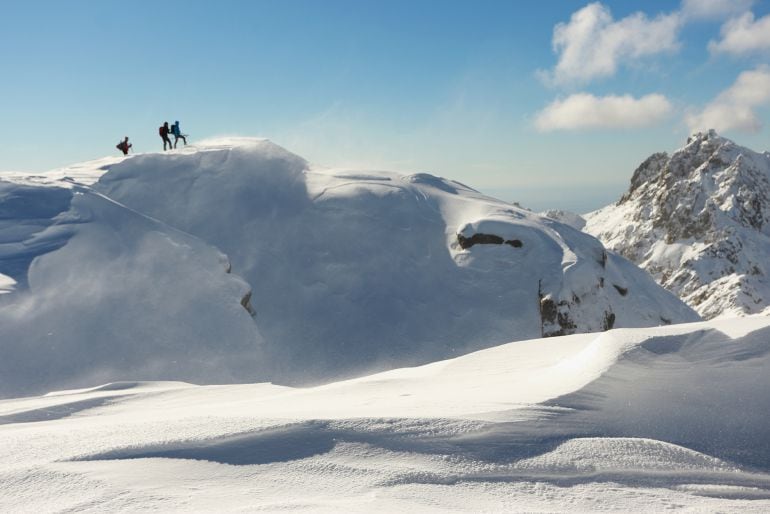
point(691, 218)
point(708, 179)
point(648, 171)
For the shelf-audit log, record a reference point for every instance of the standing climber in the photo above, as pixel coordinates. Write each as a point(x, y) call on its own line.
point(163, 132)
point(124, 146)
point(178, 134)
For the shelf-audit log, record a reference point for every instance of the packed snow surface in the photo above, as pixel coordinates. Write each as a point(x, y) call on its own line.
point(238, 261)
point(632, 420)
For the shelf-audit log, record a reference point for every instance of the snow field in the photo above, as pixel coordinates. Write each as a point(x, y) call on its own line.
point(637, 419)
point(238, 263)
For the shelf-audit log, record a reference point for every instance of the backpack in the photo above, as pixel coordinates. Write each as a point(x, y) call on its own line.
point(160, 131)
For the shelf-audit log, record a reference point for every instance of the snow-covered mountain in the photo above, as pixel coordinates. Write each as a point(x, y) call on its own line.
point(698, 221)
point(349, 271)
point(635, 420)
point(363, 268)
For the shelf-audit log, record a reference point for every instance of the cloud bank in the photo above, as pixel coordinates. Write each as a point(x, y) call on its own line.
point(735, 108)
point(592, 44)
point(586, 111)
point(743, 35)
point(713, 9)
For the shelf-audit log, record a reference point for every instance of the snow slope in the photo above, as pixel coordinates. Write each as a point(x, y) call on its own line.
point(640, 420)
point(366, 270)
point(699, 222)
point(95, 291)
point(118, 269)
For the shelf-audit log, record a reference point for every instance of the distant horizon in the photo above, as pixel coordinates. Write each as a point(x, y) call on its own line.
point(579, 198)
point(504, 96)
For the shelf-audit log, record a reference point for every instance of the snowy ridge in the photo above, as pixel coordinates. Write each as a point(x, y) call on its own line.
point(634, 420)
point(699, 222)
point(356, 270)
point(346, 271)
point(237, 260)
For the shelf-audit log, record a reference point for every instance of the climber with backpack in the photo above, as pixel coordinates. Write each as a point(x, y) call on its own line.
point(178, 134)
point(164, 132)
point(124, 146)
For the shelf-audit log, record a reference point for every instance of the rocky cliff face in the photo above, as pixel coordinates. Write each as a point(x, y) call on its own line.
point(698, 222)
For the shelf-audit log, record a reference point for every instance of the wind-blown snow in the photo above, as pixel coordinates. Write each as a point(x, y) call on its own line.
point(120, 270)
point(362, 270)
point(351, 271)
point(633, 420)
point(239, 261)
point(7, 284)
point(103, 293)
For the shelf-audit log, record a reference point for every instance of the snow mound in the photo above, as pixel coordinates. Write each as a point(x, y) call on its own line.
point(335, 272)
point(130, 387)
point(104, 293)
point(366, 270)
point(699, 222)
point(572, 219)
point(632, 419)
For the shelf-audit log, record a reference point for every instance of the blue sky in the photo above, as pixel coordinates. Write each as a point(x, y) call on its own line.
point(473, 91)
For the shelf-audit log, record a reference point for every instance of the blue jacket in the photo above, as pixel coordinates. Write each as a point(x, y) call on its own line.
point(175, 129)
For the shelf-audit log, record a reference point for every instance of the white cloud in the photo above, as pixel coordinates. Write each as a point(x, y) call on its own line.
point(734, 108)
point(592, 44)
point(713, 9)
point(743, 35)
point(586, 111)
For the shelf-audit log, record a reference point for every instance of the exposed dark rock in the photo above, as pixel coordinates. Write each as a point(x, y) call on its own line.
point(646, 171)
point(555, 318)
point(565, 322)
point(622, 290)
point(478, 239)
point(486, 239)
point(548, 311)
point(609, 320)
point(246, 303)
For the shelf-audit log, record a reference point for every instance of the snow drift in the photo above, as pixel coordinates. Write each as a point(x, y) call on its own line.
point(103, 293)
point(118, 269)
point(356, 270)
point(627, 420)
